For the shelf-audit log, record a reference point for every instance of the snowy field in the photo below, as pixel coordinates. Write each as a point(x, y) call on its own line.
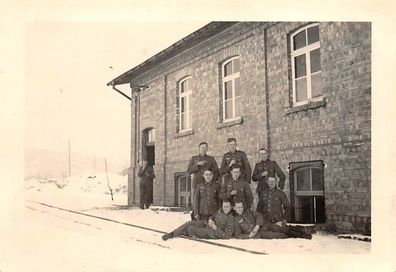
point(52, 239)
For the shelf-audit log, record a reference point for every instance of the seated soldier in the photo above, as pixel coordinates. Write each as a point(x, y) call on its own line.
point(275, 207)
point(236, 189)
point(219, 226)
point(249, 224)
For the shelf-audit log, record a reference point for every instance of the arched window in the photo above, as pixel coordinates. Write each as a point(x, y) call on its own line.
point(306, 67)
point(185, 104)
point(307, 192)
point(231, 89)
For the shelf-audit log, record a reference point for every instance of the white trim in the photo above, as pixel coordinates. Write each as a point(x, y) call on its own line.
point(304, 51)
point(232, 77)
point(187, 95)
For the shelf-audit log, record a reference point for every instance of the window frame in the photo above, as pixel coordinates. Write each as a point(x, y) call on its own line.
point(187, 193)
point(231, 78)
point(296, 196)
point(306, 50)
point(187, 94)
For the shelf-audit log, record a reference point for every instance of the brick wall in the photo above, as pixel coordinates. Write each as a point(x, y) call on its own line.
point(337, 132)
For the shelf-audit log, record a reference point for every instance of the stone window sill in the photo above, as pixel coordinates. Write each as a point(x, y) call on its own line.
point(183, 133)
point(309, 106)
point(231, 123)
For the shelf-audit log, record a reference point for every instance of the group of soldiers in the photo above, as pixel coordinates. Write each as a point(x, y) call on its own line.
point(222, 199)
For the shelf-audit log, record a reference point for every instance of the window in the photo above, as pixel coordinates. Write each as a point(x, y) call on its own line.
point(306, 68)
point(185, 106)
point(231, 89)
point(307, 192)
point(150, 136)
point(183, 190)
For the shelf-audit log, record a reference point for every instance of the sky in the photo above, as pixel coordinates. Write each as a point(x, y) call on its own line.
point(67, 67)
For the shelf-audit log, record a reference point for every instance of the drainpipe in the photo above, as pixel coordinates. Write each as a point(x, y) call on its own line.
point(267, 104)
point(136, 133)
point(120, 92)
point(165, 134)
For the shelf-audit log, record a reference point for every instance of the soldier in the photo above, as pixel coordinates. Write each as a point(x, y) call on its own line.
point(146, 174)
point(206, 197)
point(275, 208)
point(236, 189)
point(274, 204)
point(265, 169)
point(199, 163)
point(219, 226)
point(235, 158)
point(249, 224)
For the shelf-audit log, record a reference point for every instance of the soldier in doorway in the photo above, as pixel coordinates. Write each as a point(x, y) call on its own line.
point(265, 169)
point(146, 174)
point(235, 158)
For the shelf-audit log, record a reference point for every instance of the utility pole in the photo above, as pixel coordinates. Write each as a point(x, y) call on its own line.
point(69, 160)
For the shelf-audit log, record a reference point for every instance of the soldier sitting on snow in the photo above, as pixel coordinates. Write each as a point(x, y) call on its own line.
point(219, 226)
point(249, 224)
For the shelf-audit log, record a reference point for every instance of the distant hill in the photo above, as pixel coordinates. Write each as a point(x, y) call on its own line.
point(41, 163)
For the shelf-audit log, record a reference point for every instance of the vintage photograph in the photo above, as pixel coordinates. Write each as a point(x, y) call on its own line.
point(149, 145)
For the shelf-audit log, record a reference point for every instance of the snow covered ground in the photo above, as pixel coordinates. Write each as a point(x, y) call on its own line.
point(51, 239)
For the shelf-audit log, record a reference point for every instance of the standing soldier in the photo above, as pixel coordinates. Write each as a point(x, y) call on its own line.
point(146, 174)
point(219, 226)
point(198, 164)
point(235, 158)
point(265, 169)
point(206, 197)
point(236, 189)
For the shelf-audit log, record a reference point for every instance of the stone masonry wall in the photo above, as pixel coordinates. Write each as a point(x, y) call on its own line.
point(338, 131)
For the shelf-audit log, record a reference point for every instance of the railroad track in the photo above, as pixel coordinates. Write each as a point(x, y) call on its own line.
point(145, 228)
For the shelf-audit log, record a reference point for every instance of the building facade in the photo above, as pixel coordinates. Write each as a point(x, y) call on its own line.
point(302, 89)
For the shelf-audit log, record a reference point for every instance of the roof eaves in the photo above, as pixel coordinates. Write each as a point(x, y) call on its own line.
point(208, 29)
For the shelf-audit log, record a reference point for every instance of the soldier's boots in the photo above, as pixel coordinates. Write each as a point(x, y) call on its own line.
point(167, 236)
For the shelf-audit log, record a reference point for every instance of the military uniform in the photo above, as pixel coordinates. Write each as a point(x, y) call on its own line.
point(198, 170)
point(224, 223)
point(245, 223)
point(244, 193)
point(274, 205)
point(273, 168)
point(241, 161)
point(206, 199)
point(146, 185)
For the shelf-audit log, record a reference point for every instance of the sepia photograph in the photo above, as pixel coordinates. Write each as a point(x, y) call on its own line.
point(161, 143)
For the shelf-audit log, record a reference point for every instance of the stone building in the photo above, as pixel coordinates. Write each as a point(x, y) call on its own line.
point(302, 89)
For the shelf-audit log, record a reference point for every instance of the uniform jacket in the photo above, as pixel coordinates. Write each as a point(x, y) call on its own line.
point(244, 193)
point(146, 174)
point(224, 223)
point(241, 161)
point(244, 223)
point(274, 205)
point(197, 170)
point(206, 198)
point(273, 168)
